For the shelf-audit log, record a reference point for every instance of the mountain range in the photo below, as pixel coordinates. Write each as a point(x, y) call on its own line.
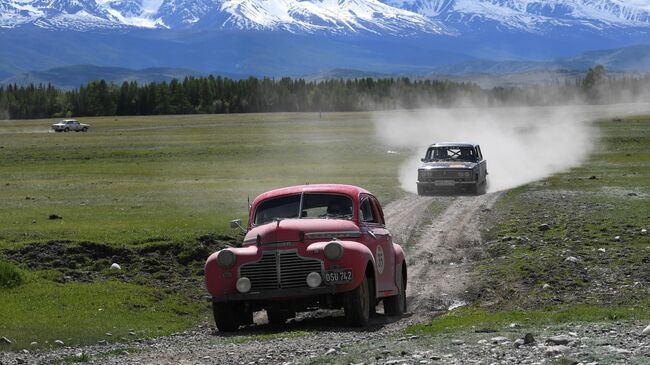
point(296, 37)
point(398, 17)
point(486, 73)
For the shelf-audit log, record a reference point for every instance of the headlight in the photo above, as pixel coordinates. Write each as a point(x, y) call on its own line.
point(314, 280)
point(333, 251)
point(243, 285)
point(226, 258)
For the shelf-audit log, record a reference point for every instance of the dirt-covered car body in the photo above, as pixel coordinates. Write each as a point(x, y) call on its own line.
point(301, 251)
point(452, 166)
point(70, 125)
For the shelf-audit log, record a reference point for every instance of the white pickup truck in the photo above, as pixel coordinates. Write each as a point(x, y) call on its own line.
point(68, 125)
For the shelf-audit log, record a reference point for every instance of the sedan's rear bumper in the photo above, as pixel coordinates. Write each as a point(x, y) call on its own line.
point(276, 294)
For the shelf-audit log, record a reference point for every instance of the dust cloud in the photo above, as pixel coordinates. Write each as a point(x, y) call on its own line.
point(521, 144)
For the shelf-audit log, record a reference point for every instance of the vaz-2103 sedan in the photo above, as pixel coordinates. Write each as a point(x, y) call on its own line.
point(451, 167)
point(310, 246)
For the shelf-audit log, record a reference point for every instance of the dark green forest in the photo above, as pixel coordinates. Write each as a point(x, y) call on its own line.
point(223, 95)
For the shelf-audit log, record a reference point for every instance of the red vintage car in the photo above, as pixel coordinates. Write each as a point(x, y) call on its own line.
point(306, 247)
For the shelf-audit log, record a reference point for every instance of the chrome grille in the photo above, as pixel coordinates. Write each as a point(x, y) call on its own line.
point(444, 174)
point(280, 269)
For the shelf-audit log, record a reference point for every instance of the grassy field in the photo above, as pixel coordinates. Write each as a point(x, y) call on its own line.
point(590, 264)
point(150, 185)
point(156, 195)
point(131, 180)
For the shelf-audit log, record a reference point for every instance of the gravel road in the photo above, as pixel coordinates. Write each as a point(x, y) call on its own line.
point(440, 253)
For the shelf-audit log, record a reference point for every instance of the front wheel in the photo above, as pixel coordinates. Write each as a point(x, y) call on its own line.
point(396, 305)
point(84, 129)
point(226, 316)
point(357, 304)
point(66, 129)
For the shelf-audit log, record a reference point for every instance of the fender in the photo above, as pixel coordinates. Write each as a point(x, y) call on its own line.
point(400, 261)
point(356, 256)
point(221, 281)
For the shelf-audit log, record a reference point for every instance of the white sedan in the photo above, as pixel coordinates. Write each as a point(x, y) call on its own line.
point(68, 125)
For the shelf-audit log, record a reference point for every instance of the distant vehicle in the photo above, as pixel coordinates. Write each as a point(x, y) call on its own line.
point(451, 167)
point(68, 125)
point(307, 247)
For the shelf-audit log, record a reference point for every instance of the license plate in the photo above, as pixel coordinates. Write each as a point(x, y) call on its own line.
point(444, 183)
point(338, 276)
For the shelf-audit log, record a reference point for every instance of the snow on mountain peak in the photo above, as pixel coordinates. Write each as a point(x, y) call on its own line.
point(396, 17)
point(344, 16)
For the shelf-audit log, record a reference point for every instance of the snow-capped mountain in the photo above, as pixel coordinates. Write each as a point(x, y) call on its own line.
point(296, 16)
point(533, 15)
point(395, 17)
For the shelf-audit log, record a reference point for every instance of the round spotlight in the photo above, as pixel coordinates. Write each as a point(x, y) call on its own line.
point(314, 280)
point(226, 258)
point(243, 285)
point(333, 250)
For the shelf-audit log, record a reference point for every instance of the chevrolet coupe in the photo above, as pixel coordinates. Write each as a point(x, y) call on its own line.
point(309, 247)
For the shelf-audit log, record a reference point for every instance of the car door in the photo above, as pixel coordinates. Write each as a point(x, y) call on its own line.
point(482, 164)
point(380, 243)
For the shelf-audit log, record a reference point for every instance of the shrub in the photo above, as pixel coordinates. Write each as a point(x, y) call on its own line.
point(10, 275)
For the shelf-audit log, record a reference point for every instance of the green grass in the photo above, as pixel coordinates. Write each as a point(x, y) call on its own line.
point(10, 275)
point(173, 178)
point(153, 181)
point(473, 318)
point(81, 313)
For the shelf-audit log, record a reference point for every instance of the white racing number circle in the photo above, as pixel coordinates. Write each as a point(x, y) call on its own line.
point(380, 259)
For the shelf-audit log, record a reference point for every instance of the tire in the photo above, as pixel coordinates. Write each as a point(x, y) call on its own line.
point(66, 129)
point(278, 317)
point(396, 305)
point(84, 129)
point(420, 190)
point(226, 316)
point(357, 304)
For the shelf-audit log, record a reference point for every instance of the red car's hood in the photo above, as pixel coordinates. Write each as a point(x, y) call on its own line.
point(292, 229)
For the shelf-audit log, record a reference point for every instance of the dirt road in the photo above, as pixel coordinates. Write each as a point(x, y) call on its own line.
point(440, 252)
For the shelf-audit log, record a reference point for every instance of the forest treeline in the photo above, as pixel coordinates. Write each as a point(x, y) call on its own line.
point(223, 95)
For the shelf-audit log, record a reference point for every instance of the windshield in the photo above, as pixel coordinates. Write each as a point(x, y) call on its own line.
point(314, 205)
point(453, 153)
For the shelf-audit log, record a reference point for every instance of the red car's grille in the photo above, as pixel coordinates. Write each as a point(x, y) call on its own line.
point(280, 269)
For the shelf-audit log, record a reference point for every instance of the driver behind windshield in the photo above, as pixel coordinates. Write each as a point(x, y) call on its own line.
point(339, 207)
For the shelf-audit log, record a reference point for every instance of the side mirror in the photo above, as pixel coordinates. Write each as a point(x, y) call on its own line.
point(236, 223)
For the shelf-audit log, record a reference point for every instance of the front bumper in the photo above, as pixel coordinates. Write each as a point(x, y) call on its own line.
point(276, 294)
point(447, 184)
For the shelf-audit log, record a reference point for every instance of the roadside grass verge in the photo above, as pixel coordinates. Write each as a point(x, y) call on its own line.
point(479, 319)
point(82, 313)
